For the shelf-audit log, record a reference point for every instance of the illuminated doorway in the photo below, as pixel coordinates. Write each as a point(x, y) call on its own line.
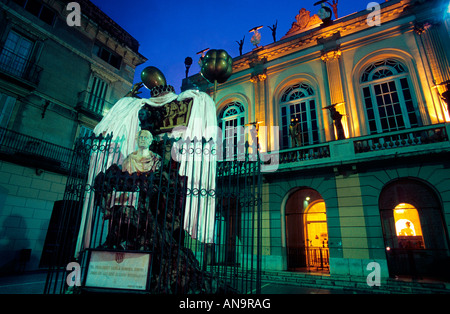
point(415, 236)
point(306, 232)
point(316, 235)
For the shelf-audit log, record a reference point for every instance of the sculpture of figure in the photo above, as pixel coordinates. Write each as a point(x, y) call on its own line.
point(337, 118)
point(445, 96)
point(182, 111)
point(142, 160)
point(128, 117)
point(296, 132)
point(256, 38)
point(274, 31)
point(241, 44)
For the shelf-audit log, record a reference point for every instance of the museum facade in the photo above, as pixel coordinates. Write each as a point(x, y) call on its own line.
point(353, 124)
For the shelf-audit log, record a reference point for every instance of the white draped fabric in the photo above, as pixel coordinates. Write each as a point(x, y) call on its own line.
point(199, 166)
point(122, 121)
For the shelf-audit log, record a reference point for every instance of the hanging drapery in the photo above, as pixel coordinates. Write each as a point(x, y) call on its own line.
point(200, 166)
point(200, 169)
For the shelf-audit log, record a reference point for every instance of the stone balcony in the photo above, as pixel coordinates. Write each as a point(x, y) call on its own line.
point(421, 141)
point(32, 152)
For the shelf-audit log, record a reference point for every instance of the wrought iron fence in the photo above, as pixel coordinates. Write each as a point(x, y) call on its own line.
point(189, 225)
point(311, 258)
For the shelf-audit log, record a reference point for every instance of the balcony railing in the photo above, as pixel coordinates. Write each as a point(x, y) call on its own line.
point(92, 104)
point(412, 141)
point(17, 66)
point(305, 153)
point(27, 150)
point(400, 139)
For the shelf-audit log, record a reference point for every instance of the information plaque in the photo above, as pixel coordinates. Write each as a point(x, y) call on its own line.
point(118, 270)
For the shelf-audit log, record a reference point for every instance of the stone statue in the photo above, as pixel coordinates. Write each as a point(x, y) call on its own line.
point(295, 132)
point(274, 31)
point(142, 160)
point(337, 118)
point(445, 96)
point(241, 44)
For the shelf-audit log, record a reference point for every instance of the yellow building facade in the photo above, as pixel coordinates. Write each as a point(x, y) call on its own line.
point(352, 121)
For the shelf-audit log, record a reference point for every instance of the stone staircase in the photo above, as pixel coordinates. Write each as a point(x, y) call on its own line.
point(356, 284)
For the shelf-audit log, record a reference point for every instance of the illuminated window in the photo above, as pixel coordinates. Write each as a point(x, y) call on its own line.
point(408, 227)
point(299, 102)
point(387, 97)
point(231, 122)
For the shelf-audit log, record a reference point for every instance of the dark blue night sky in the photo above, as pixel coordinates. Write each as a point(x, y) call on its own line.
point(169, 31)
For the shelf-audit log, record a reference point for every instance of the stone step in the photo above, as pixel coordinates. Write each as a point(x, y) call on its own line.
point(354, 283)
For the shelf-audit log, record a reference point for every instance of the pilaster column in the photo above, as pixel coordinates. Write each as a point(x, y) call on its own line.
point(438, 63)
point(258, 81)
point(331, 59)
point(435, 52)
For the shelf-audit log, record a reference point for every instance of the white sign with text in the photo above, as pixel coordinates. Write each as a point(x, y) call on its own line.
point(118, 270)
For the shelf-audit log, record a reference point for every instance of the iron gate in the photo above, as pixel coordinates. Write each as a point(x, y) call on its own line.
point(187, 226)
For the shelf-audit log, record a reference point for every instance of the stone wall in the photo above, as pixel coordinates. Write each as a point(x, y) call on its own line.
point(27, 197)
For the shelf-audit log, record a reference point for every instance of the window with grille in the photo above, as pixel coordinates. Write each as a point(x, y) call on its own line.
point(97, 96)
point(388, 100)
point(298, 102)
point(15, 55)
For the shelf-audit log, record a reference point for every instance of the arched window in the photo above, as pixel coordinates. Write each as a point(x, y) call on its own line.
point(231, 122)
point(388, 100)
point(298, 103)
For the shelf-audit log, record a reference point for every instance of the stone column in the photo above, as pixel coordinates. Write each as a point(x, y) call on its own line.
point(258, 78)
point(434, 49)
point(438, 63)
point(331, 59)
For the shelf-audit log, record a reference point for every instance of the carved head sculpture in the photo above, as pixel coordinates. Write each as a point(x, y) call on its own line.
point(144, 138)
point(151, 118)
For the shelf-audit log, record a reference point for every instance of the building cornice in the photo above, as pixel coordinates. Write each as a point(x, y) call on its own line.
point(343, 27)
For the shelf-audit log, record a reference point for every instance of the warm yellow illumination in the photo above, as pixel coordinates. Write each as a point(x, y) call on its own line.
point(441, 88)
point(446, 113)
point(340, 107)
point(407, 221)
point(330, 55)
point(407, 226)
point(316, 225)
